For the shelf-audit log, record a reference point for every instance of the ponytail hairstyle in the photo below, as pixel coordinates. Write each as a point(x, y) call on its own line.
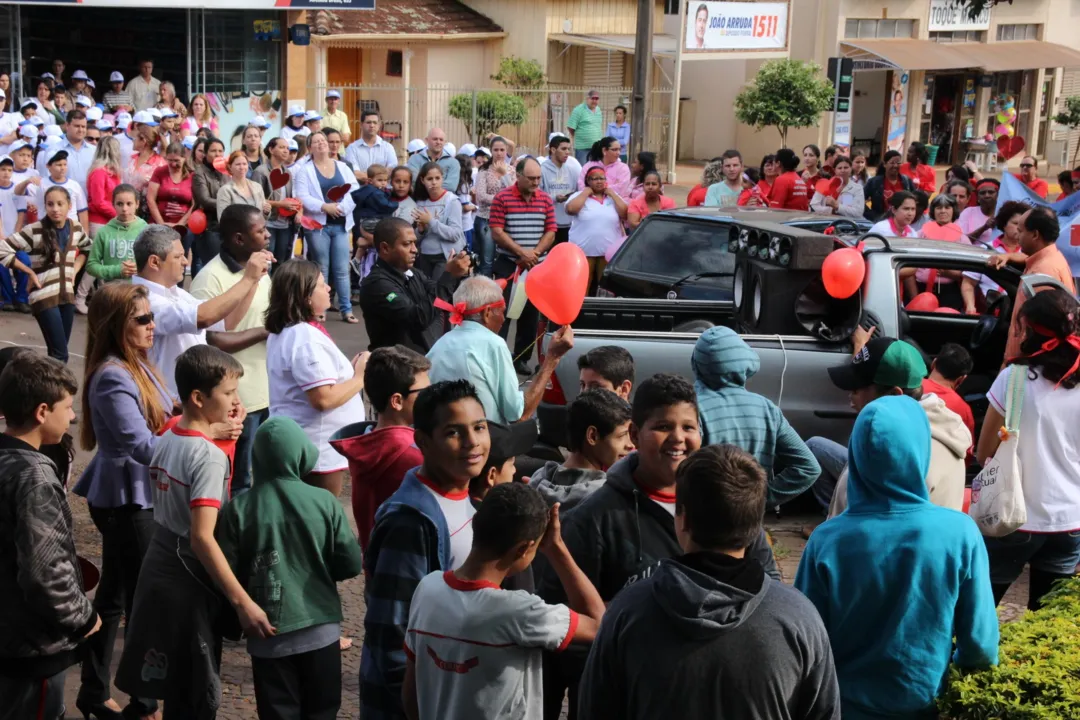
point(49, 238)
point(465, 176)
point(596, 153)
point(1050, 344)
point(647, 161)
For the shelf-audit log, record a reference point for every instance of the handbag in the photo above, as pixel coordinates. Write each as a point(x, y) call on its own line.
point(997, 492)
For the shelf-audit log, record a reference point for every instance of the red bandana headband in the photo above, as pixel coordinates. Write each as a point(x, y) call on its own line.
point(458, 313)
point(1054, 343)
point(988, 181)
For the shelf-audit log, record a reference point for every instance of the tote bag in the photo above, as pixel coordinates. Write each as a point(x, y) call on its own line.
point(997, 493)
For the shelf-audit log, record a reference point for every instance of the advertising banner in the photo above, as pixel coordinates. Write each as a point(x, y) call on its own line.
point(727, 26)
point(213, 4)
point(898, 97)
point(1067, 209)
point(953, 15)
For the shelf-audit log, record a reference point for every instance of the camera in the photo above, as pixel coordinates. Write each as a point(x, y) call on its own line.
point(474, 260)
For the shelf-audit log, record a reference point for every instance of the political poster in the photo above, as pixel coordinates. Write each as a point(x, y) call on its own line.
point(727, 26)
point(1067, 209)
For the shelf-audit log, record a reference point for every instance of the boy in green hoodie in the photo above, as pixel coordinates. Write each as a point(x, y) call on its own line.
point(289, 544)
point(113, 253)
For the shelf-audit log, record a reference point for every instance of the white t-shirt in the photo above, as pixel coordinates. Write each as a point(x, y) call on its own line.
point(885, 229)
point(187, 471)
point(596, 226)
point(298, 359)
point(458, 511)
point(9, 209)
point(36, 196)
point(478, 648)
point(1049, 451)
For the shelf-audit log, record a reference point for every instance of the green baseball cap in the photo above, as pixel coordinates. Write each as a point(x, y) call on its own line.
point(883, 361)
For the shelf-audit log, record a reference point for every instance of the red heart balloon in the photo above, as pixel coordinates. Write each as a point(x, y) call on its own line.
point(501, 282)
point(291, 210)
point(279, 178)
point(557, 286)
point(90, 573)
point(335, 194)
point(843, 272)
point(309, 224)
point(221, 164)
point(1010, 147)
point(823, 186)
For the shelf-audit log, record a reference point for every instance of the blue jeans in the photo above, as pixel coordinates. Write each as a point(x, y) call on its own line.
point(582, 156)
point(329, 247)
point(55, 324)
point(281, 244)
point(242, 456)
point(484, 246)
point(15, 291)
point(832, 457)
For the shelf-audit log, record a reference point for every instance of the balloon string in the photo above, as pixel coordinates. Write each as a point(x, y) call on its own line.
point(528, 349)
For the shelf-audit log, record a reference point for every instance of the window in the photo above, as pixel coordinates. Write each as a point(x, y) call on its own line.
point(1027, 31)
point(949, 36)
point(855, 28)
point(675, 249)
point(393, 63)
point(235, 62)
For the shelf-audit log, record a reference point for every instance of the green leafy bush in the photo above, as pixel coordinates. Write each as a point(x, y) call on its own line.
point(785, 94)
point(494, 109)
point(1038, 675)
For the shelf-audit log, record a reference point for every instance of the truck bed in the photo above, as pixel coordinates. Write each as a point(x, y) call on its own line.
point(651, 315)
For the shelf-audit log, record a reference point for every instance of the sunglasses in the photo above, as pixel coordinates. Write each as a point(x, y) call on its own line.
point(144, 319)
point(1026, 165)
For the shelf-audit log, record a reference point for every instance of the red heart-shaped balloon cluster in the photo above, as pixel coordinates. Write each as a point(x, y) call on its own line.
point(557, 285)
point(279, 178)
point(1010, 147)
point(335, 194)
point(309, 224)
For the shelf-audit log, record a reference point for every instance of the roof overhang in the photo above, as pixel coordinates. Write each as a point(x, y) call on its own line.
point(663, 45)
point(1022, 55)
point(400, 39)
point(912, 54)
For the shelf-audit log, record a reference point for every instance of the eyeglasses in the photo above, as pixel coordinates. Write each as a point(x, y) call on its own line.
point(1026, 165)
point(144, 319)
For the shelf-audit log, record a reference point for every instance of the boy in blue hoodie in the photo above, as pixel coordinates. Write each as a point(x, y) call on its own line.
point(896, 578)
point(373, 203)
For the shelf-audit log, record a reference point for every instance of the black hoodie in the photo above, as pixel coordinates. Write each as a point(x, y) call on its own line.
point(709, 636)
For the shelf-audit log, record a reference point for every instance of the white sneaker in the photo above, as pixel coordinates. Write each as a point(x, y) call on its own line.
point(80, 306)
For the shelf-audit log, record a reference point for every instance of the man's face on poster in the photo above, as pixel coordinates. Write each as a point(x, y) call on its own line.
point(701, 21)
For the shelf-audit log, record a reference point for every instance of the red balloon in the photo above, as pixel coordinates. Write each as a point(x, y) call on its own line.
point(947, 311)
point(289, 211)
point(923, 302)
point(557, 285)
point(221, 164)
point(501, 282)
point(843, 272)
point(197, 222)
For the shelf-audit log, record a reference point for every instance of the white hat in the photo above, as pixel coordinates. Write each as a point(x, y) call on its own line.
point(168, 113)
point(93, 114)
point(189, 141)
point(296, 110)
point(416, 145)
point(6, 159)
point(90, 83)
point(123, 115)
point(103, 125)
point(116, 76)
point(83, 101)
point(27, 131)
point(482, 151)
point(48, 76)
point(468, 149)
point(293, 147)
point(556, 134)
point(36, 121)
point(18, 145)
point(79, 75)
point(144, 118)
point(54, 131)
point(312, 115)
point(333, 94)
point(28, 103)
point(3, 94)
point(155, 112)
point(450, 148)
point(123, 122)
point(260, 122)
point(304, 131)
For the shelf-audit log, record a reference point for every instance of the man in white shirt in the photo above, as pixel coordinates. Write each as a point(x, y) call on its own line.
point(180, 320)
point(144, 89)
point(370, 149)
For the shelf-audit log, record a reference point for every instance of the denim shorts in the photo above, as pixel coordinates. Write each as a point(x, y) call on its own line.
point(1057, 553)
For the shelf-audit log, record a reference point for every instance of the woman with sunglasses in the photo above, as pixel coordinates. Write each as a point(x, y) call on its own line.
point(311, 380)
point(605, 154)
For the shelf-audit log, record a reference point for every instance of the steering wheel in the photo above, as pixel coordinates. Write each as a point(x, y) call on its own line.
point(990, 322)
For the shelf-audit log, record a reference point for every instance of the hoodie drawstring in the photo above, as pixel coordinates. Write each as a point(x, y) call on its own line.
point(637, 522)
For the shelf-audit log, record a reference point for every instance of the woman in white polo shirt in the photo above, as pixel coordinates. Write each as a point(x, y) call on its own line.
point(1049, 447)
point(598, 215)
point(311, 381)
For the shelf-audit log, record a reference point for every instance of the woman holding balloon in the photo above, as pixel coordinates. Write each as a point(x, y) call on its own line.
point(843, 196)
point(206, 181)
point(277, 186)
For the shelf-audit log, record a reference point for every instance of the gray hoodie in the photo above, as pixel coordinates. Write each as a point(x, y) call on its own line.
point(709, 636)
point(566, 486)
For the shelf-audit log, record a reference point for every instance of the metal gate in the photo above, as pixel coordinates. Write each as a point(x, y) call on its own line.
point(11, 53)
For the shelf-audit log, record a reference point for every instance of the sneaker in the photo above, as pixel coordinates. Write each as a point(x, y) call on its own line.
point(80, 306)
point(24, 308)
point(7, 308)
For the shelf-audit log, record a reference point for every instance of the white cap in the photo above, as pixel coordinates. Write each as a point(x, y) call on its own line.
point(36, 121)
point(145, 118)
point(468, 149)
point(482, 151)
point(83, 101)
point(3, 94)
point(304, 131)
point(27, 131)
point(18, 145)
point(189, 141)
point(333, 94)
point(103, 125)
point(556, 134)
point(48, 76)
point(260, 122)
point(312, 115)
point(123, 122)
point(416, 145)
point(28, 102)
point(54, 131)
point(116, 76)
point(79, 75)
point(450, 148)
point(293, 147)
point(296, 110)
point(155, 112)
point(90, 83)
point(169, 113)
point(123, 115)
point(93, 114)
point(6, 159)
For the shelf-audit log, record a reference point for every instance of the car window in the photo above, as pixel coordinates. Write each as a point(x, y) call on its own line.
point(674, 248)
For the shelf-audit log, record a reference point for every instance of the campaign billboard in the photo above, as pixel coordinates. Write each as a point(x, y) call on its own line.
point(736, 26)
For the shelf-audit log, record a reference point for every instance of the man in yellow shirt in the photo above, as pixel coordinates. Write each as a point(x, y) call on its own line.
point(334, 118)
point(243, 233)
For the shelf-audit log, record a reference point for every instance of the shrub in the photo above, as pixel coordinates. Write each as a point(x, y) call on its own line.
point(494, 109)
point(1038, 676)
point(785, 94)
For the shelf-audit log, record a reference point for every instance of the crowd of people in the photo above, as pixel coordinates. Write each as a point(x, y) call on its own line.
point(633, 579)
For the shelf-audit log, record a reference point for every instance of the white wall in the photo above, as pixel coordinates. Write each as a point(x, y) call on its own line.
point(868, 103)
point(713, 85)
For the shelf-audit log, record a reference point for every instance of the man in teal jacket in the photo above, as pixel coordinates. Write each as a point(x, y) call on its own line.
point(896, 578)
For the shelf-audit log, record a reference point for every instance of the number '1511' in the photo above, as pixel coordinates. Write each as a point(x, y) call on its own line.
point(765, 25)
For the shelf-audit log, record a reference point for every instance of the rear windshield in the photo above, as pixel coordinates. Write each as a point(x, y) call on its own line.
point(673, 248)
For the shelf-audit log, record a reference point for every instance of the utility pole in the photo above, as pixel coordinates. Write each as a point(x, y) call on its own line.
point(642, 76)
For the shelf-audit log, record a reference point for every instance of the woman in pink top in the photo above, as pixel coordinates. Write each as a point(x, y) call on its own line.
point(102, 179)
point(652, 201)
point(199, 116)
point(144, 159)
point(944, 211)
point(605, 153)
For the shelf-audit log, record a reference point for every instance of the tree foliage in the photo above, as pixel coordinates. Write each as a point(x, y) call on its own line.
point(494, 108)
point(1070, 118)
point(785, 94)
point(525, 78)
point(974, 7)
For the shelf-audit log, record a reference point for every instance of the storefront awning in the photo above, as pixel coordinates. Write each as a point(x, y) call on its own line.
point(663, 45)
point(909, 54)
point(1021, 55)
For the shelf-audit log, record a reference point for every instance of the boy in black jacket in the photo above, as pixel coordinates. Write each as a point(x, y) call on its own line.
point(44, 613)
point(620, 533)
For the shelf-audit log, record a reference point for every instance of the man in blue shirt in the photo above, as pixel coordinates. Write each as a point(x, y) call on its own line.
point(474, 351)
point(80, 153)
point(436, 152)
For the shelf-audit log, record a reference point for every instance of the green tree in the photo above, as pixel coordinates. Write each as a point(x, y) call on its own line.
point(785, 94)
point(494, 108)
point(974, 7)
point(1070, 118)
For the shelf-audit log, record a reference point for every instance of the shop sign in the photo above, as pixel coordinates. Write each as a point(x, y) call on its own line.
point(213, 4)
point(898, 97)
point(953, 15)
point(727, 26)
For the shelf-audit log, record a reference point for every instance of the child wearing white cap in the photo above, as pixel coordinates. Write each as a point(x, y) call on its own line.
point(415, 146)
point(294, 122)
point(313, 121)
point(56, 162)
point(334, 118)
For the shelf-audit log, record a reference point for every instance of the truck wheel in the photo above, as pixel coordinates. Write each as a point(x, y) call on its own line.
point(693, 326)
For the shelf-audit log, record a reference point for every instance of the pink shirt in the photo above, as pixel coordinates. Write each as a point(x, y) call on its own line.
point(139, 175)
point(950, 232)
point(641, 207)
point(971, 219)
point(618, 176)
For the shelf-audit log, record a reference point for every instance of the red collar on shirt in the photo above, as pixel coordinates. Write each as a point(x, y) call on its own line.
point(320, 327)
point(456, 583)
point(188, 432)
point(897, 232)
point(462, 495)
point(657, 495)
